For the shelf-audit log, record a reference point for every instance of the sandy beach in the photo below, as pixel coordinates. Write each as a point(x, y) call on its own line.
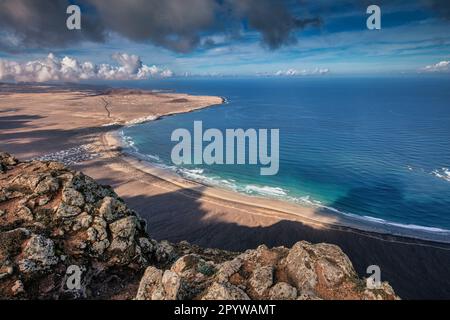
point(79, 126)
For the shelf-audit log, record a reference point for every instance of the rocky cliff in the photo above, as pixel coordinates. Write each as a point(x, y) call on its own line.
point(53, 220)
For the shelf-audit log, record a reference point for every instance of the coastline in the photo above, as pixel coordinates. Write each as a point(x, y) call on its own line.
point(135, 109)
point(178, 209)
point(190, 211)
point(313, 216)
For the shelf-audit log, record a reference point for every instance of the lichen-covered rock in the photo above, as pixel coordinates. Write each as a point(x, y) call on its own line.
point(125, 228)
point(83, 221)
point(261, 279)
point(38, 255)
point(300, 267)
point(72, 197)
point(67, 211)
point(123, 244)
point(61, 223)
point(46, 185)
point(228, 268)
point(187, 262)
point(164, 252)
point(6, 161)
point(106, 209)
point(159, 285)
point(98, 236)
point(151, 287)
point(224, 291)
point(283, 291)
point(172, 285)
point(146, 245)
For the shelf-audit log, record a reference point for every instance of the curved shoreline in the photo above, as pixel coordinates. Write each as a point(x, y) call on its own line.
point(323, 218)
point(55, 120)
point(60, 124)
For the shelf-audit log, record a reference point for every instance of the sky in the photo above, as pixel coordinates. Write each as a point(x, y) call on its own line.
point(140, 39)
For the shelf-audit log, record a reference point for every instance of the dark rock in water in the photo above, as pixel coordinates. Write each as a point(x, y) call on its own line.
point(62, 235)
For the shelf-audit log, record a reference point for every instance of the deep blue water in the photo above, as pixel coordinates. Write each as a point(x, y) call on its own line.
point(375, 148)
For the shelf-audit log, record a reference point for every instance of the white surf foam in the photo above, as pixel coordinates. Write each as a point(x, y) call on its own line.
point(111, 124)
point(391, 223)
point(283, 194)
point(369, 219)
point(225, 100)
point(202, 176)
point(265, 190)
point(194, 174)
point(128, 141)
point(443, 173)
point(141, 120)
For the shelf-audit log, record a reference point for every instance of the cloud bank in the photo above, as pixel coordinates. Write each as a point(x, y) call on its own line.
point(177, 25)
point(52, 68)
point(304, 72)
point(443, 66)
point(42, 24)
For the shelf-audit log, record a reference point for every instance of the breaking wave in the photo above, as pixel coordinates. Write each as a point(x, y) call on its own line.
point(265, 190)
point(202, 175)
point(307, 200)
point(443, 173)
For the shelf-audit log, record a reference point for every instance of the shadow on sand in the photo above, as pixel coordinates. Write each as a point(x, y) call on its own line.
point(416, 270)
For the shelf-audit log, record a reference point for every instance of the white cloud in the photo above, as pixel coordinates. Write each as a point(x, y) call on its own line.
point(167, 73)
point(438, 67)
point(52, 68)
point(304, 72)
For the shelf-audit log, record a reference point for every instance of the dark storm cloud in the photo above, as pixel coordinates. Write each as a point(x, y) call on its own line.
point(273, 19)
point(441, 7)
point(174, 24)
point(35, 24)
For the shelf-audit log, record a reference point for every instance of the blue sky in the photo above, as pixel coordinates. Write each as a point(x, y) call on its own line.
point(414, 34)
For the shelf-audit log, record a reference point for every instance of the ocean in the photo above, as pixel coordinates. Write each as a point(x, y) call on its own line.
point(376, 149)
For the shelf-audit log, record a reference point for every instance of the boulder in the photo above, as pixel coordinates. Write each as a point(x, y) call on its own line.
point(52, 219)
point(282, 291)
point(38, 255)
point(48, 184)
point(185, 263)
point(172, 285)
point(6, 161)
point(72, 197)
point(67, 211)
point(224, 291)
point(151, 287)
point(300, 269)
point(227, 269)
point(261, 279)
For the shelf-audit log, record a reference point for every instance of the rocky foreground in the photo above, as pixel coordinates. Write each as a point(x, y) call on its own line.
point(53, 219)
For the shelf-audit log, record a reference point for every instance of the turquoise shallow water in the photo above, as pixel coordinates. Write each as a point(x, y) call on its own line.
point(374, 149)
